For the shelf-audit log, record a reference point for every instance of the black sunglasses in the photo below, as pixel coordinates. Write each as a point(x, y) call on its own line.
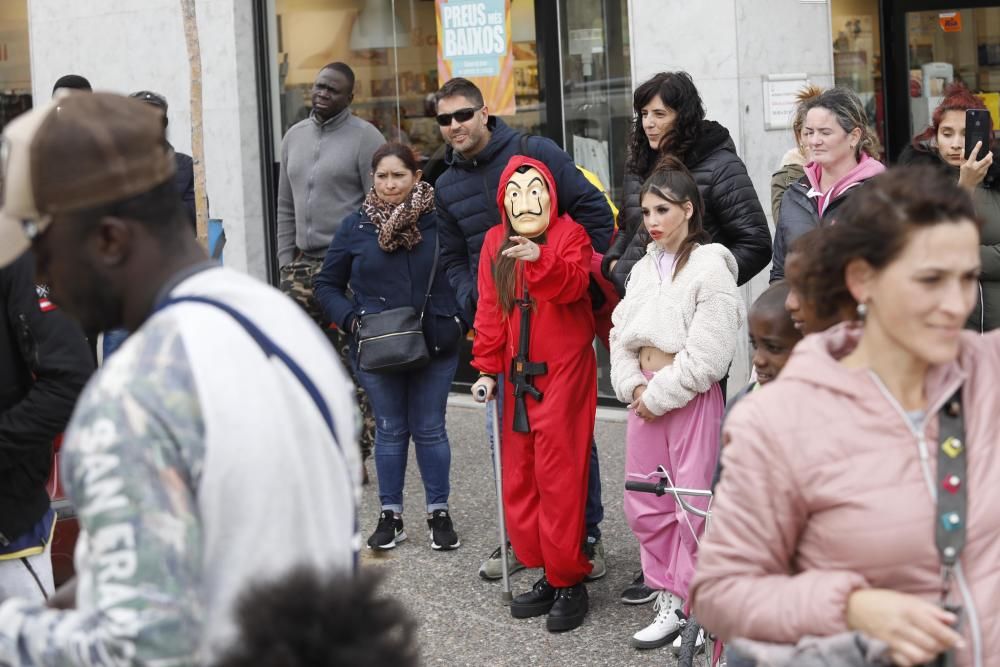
point(461, 115)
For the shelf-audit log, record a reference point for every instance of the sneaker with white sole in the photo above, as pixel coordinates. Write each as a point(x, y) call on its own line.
point(388, 533)
point(443, 535)
point(593, 549)
point(638, 592)
point(492, 567)
point(666, 626)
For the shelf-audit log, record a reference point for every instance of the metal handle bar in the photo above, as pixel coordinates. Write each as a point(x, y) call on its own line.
point(660, 488)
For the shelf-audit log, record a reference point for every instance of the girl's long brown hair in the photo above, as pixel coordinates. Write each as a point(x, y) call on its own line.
point(672, 182)
point(505, 272)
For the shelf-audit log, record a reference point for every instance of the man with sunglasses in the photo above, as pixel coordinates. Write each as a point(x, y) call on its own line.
point(326, 164)
point(480, 145)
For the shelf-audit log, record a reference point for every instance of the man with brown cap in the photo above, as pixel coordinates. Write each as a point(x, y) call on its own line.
point(203, 455)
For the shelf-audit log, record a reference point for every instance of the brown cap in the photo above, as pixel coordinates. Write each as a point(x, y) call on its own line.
point(77, 151)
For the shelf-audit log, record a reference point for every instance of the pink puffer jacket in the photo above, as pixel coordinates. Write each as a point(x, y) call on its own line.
point(824, 493)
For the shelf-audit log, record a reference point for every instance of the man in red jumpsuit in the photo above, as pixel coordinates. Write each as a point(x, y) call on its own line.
point(545, 470)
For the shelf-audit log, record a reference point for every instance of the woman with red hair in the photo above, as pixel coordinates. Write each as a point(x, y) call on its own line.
point(942, 144)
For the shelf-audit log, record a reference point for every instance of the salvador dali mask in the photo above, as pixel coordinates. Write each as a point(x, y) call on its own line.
point(527, 203)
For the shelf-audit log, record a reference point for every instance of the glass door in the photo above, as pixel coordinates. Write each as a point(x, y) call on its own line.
point(596, 86)
point(596, 105)
point(934, 44)
point(958, 45)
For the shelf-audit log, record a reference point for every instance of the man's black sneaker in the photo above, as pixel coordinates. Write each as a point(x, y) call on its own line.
point(535, 602)
point(569, 609)
point(388, 533)
point(638, 592)
point(443, 535)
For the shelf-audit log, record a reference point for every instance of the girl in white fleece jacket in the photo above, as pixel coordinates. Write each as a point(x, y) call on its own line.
point(673, 339)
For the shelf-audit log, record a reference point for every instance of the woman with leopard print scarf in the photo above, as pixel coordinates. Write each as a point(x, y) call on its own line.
point(381, 258)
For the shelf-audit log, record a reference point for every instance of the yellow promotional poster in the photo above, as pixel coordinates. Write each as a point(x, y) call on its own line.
point(992, 101)
point(474, 42)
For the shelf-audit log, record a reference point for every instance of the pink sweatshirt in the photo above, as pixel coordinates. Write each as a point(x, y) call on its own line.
point(832, 496)
point(867, 167)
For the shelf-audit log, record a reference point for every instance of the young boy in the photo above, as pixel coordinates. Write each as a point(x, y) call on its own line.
point(773, 334)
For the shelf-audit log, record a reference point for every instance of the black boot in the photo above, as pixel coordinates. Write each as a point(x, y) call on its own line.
point(570, 607)
point(535, 602)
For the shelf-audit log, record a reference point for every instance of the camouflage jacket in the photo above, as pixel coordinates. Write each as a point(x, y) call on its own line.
point(173, 463)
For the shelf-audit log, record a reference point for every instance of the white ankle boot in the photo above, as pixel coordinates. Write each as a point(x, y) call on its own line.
point(665, 627)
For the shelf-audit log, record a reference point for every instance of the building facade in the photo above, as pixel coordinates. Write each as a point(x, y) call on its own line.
point(566, 70)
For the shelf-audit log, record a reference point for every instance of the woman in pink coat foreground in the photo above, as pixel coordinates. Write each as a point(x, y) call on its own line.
point(841, 499)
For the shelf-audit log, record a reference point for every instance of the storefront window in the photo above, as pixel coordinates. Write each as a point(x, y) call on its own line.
point(597, 93)
point(392, 46)
point(15, 70)
point(956, 45)
point(857, 55)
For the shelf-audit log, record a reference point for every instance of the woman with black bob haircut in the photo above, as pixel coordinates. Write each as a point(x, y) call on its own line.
point(670, 120)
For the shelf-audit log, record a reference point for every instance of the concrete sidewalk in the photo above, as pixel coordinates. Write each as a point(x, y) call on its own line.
point(462, 619)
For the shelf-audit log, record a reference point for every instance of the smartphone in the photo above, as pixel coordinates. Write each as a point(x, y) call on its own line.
point(977, 128)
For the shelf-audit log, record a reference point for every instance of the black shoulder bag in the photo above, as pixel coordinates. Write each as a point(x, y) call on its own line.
point(393, 341)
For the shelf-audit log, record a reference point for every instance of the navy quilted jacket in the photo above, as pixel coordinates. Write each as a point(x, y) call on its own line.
point(466, 195)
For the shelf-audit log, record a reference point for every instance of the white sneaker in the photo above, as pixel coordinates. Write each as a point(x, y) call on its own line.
point(665, 627)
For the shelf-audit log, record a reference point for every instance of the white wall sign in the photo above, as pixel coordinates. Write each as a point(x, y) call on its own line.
point(779, 98)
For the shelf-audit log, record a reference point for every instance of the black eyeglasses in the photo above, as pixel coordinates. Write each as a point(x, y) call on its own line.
point(461, 115)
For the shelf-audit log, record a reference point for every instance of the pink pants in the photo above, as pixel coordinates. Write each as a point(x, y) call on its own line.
point(686, 443)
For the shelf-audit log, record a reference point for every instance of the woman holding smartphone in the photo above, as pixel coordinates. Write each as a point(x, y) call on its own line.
point(943, 144)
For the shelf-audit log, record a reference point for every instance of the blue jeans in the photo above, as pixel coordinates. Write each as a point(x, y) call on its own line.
point(113, 339)
point(405, 405)
point(594, 513)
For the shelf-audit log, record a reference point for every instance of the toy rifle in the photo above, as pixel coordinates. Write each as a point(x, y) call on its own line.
point(522, 370)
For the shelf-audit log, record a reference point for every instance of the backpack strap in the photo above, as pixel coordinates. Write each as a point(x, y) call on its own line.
point(270, 349)
point(523, 145)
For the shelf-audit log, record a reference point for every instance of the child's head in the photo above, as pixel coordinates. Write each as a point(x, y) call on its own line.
point(772, 332)
point(310, 619)
point(672, 210)
point(810, 312)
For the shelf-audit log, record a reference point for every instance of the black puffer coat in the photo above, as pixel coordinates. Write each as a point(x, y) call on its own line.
point(986, 199)
point(733, 214)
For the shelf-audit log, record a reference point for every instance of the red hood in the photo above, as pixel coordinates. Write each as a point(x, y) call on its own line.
point(515, 162)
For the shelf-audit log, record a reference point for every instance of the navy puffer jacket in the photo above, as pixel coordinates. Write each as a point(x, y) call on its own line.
point(733, 214)
point(381, 280)
point(466, 197)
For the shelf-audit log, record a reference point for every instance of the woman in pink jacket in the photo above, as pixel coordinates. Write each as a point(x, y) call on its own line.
point(846, 497)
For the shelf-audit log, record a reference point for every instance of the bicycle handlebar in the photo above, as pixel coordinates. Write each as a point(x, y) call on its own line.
point(659, 488)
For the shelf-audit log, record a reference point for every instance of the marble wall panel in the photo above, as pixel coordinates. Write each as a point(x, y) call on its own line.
point(125, 45)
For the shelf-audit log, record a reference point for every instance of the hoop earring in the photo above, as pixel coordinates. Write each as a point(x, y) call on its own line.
point(862, 310)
